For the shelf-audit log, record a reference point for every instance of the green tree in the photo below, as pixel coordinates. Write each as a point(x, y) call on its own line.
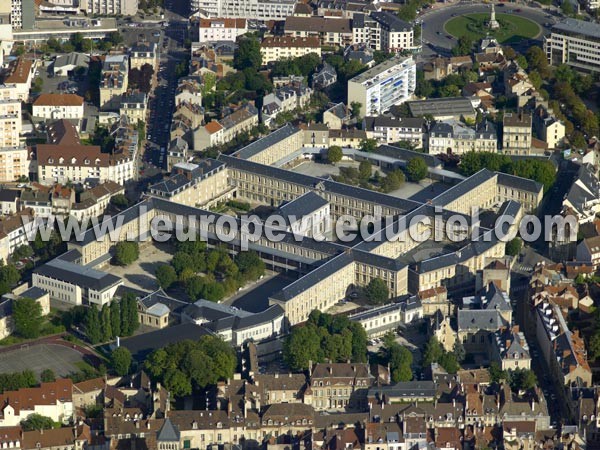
point(105, 323)
point(92, 325)
point(334, 154)
point(368, 145)
point(36, 422)
point(126, 252)
point(459, 351)
point(177, 382)
point(355, 107)
point(416, 169)
point(47, 376)
point(594, 346)
point(449, 363)
point(567, 8)
point(463, 47)
point(513, 247)
point(119, 201)
point(496, 373)
point(250, 265)
point(537, 60)
point(301, 347)
point(433, 351)
point(247, 55)
point(129, 310)
point(365, 168)
point(120, 360)
point(166, 276)
point(115, 317)
point(521, 379)
point(377, 291)
point(27, 317)
point(394, 180)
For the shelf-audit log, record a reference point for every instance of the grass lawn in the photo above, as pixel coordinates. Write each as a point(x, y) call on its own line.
point(512, 28)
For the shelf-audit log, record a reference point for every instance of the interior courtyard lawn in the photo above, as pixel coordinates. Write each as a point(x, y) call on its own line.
point(513, 28)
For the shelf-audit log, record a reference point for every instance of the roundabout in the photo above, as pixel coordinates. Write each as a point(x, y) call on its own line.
point(437, 40)
point(512, 28)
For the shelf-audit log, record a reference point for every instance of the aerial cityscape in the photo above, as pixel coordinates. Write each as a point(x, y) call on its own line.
point(299, 225)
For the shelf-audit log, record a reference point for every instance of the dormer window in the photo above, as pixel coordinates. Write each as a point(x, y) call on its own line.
point(86, 161)
point(61, 160)
point(73, 160)
point(50, 160)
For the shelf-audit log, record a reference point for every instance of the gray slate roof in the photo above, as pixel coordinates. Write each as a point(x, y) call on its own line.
point(85, 277)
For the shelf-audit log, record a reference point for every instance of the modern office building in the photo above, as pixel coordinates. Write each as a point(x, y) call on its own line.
point(575, 43)
point(109, 7)
point(378, 89)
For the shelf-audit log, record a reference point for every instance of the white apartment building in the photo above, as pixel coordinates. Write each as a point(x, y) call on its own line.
point(10, 123)
point(22, 14)
point(382, 31)
point(14, 231)
point(13, 163)
point(275, 48)
point(575, 43)
point(58, 106)
point(245, 9)
point(110, 7)
point(212, 30)
point(390, 83)
point(454, 137)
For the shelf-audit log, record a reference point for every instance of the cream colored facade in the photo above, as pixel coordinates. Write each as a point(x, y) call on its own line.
point(13, 163)
point(144, 53)
point(59, 111)
point(279, 47)
point(134, 110)
point(10, 122)
point(516, 134)
point(321, 295)
point(268, 155)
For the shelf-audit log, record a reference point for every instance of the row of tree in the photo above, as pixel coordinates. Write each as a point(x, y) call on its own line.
point(398, 357)
point(120, 318)
point(435, 353)
point(186, 365)
point(517, 379)
point(325, 337)
point(541, 171)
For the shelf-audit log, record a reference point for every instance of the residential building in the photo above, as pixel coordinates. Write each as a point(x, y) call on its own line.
point(516, 133)
point(274, 147)
point(275, 48)
point(110, 7)
point(93, 202)
point(583, 198)
point(224, 130)
point(588, 251)
point(389, 130)
point(548, 127)
point(331, 32)
point(324, 77)
point(210, 135)
point(441, 327)
point(575, 43)
point(383, 31)
point(143, 52)
point(189, 90)
point(390, 83)
point(246, 9)
point(73, 284)
point(337, 117)
point(65, 159)
point(53, 399)
point(285, 98)
point(221, 29)
point(134, 107)
point(14, 163)
point(10, 124)
point(19, 78)
point(8, 201)
point(341, 386)
point(22, 15)
point(564, 350)
point(58, 106)
point(14, 232)
point(158, 310)
point(113, 81)
point(439, 67)
point(510, 349)
point(454, 137)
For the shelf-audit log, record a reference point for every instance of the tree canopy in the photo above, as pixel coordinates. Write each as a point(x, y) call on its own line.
point(416, 169)
point(325, 337)
point(27, 317)
point(120, 361)
point(126, 252)
point(334, 154)
point(188, 364)
point(377, 291)
point(247, 55)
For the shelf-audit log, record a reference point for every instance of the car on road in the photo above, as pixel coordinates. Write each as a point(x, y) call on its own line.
point(518, 10)
point(448, 36)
